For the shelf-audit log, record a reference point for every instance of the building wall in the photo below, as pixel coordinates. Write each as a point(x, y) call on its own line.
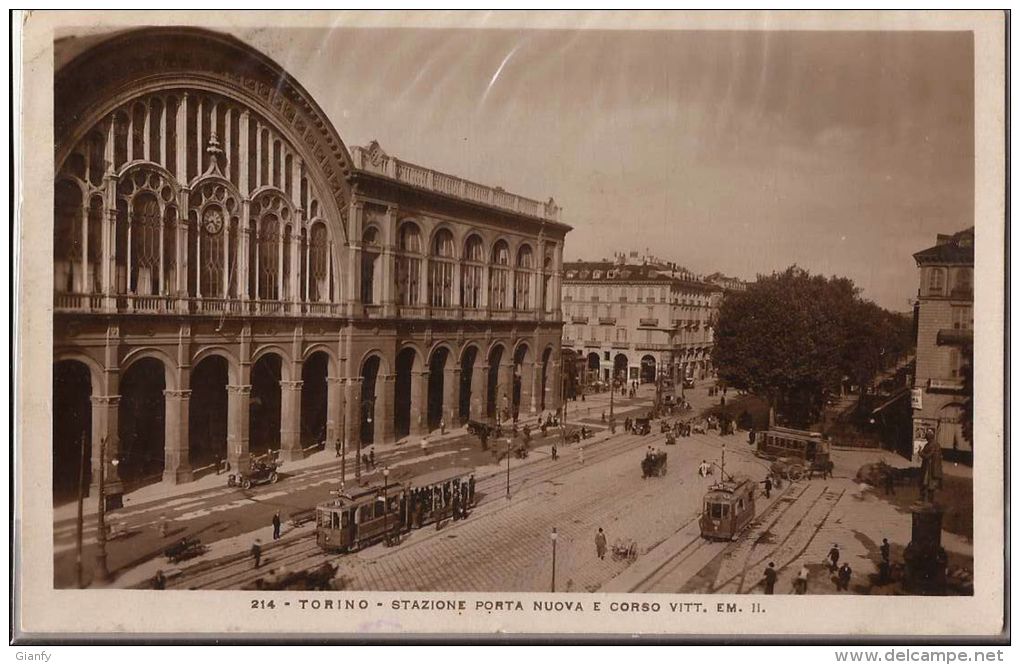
point(945, 303)
point(206, 209)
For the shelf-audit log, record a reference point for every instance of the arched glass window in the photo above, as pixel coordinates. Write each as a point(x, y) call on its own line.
point(499, 276)
point(441, 265)
point(471, 285)
point(408, 264)
point(319, 266)
point(269, 257)
point(145, 250)
point(67, 212)
point(522, 278)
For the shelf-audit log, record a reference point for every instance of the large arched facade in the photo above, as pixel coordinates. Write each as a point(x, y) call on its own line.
point(206, 221)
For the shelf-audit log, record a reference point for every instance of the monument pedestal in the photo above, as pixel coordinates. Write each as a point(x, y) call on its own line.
point(924, 558)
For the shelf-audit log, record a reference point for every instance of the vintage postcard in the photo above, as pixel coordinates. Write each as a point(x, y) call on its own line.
point(363, 324)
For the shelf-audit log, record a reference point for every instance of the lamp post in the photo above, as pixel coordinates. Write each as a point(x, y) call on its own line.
point(102, 573)
point(81, 519)
point(342, 441)
point(386, 504)
point(367, 410)
point(612, 391)
point(508, 468)
point(553, 537)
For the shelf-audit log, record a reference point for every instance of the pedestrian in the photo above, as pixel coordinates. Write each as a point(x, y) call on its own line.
point(890, 487)
point(834, 558)
point(704, 469)
point(801, 581)
point(159, 581)
point(256, 552)
point(163, 527)
point(276, 525)
point(884, 550)
point(424, 447)
point(555, 456)
point(603, 416)
point(612, 425)
point(600, 544)
point(843, 577)
point(471, 490)
point(768, 487)
point(371, 457)
point(580, 455)
point(442, 425)
point(338, 448)
point(456, 506)
point(769, 578)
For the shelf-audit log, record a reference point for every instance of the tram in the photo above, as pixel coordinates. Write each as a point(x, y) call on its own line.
point(352, 521)
point(727, 508)
point(810, 448)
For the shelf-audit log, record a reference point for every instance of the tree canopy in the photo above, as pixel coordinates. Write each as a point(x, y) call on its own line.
point(792, 337)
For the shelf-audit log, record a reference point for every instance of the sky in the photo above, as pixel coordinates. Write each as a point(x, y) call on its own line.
point(739, 152)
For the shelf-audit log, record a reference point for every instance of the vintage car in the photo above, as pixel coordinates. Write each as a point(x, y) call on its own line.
point(478, 427)
point(184, 549)
point(642, 426)
point(260, 472)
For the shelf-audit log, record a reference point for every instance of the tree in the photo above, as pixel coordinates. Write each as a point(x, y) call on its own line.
point(791, 337)
point(967, 373)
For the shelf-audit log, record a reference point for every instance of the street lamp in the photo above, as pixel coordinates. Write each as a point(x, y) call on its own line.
point(386, 503)
point(102, 572)
point(367, 408)
point(553, 537)
point(342, 442)
point(508, 468)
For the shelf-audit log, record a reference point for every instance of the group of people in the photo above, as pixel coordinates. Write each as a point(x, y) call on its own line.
point(457, 496)
point(841, 573)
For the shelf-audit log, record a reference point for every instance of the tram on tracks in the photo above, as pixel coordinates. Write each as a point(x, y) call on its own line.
point(352, 521)
point(727, 508)
point(796, 447)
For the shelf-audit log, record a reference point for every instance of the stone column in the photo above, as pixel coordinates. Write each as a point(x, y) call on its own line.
point(177, 463)
point(290, 421)
point(105, 423)
point(238, 414)
point(419, 403)
point(538, 390)
point(504, 387)
point(385, 385)
point(451, 396)
point(527, 388)
point(352, 414)
point(552, 401)
point(479, 390)
point(334, 409)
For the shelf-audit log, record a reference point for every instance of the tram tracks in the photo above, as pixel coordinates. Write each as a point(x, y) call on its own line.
point(237, 570)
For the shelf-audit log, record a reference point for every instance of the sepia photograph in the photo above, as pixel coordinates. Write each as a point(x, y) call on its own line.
point(403, 318)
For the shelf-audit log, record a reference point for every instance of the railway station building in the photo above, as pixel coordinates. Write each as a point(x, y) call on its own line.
point(231, 278)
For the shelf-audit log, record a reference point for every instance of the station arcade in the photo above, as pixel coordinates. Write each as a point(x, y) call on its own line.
point(230, 278)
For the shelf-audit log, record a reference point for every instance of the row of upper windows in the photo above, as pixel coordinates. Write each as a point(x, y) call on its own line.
point(608, 334)
point(939, 281)
point(409, 241)
point(625, 293)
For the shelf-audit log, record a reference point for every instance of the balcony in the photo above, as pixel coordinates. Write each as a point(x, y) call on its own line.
point(579, 319)
point(945, 385)
point(373, 160)
point(954, 337)
point(607, 320)
point(412, 312)
point(501, 314)
point(648, 323)
point(621, 345)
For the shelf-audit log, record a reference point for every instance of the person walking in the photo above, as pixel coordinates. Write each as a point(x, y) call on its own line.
point(801, 581)
point(580, 455)
point(768, 487)
point(256, 552)
point(834, 558)
point(884, 550)
point(442, 425)
point(424, 447)
point(769, 578)
point(600, 544)
point(704, 469)
point(555, 455)
point(276, 525)
point(163, 526)
point(159, 581)
point(843, 577)
point(371, 458)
